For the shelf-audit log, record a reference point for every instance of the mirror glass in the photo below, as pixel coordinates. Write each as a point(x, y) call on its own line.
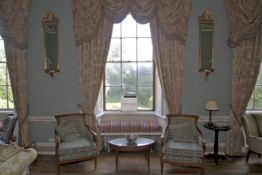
point(50, 27)
point(206, 43)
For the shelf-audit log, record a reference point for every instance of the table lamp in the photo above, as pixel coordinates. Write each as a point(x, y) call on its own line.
point(211, 105)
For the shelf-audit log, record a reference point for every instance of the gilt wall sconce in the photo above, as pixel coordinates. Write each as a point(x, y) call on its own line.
point(51, 38)
point(206, 43)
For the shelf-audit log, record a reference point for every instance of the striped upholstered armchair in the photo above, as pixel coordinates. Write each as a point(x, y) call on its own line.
point(182, 142)
point(74, 140)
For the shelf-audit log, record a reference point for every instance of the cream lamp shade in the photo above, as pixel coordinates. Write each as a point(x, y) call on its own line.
point(211, 105)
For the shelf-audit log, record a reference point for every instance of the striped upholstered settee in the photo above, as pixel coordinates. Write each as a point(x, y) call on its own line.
point(121, 127)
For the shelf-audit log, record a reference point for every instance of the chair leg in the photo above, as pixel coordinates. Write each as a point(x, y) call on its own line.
point(202, 169)
point(95, 163)
point(161, 165)
point(57, 168)
point(248, 154)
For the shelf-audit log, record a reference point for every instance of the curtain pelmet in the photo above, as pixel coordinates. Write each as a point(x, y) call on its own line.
point(244, 20)
point(172, 15)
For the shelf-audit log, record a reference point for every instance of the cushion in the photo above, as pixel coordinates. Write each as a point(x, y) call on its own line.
point(182, 133)
point(68, 131)
point(126, 125)
point(182, 149)
point(79, 148)
point(259, 124)
point(7, 151)
point(83, 130)
point(251, 125)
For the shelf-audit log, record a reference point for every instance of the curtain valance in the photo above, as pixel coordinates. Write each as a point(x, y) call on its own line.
point(13, 21)
point(171, 15)
point(245, 18)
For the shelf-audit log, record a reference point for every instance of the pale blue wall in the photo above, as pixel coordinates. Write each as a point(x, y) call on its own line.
point(49, 96)
point(61, 94)
point(197, 90)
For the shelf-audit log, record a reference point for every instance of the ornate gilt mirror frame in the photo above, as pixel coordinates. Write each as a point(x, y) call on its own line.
point(206, 43)
point(50, 27)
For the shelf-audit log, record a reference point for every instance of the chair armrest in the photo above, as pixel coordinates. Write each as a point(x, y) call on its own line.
point(95, 135)
point(255, 144)
point(57, 144)
point(202, 139)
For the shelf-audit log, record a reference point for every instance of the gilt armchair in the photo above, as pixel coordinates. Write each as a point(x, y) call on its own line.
point(182, 143)
point(74, 140)
point(8, 126)
point(252, 124)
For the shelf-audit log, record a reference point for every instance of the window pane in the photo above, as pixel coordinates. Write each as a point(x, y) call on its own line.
point(251, 102)
point(2, 73)
point(129, 49)
point(8, 79)
point(145, 98)
point(258, 97)
point(129, 90)
point(116, 30)
point(3, 97)
point(145, 50)
point(145, 74)
point(2, 50)
point(113, 74)
point(129, 74)
point(129, 27)
point(114, 50)
point(143, 30)
point(259, 78)
point(10, 98)
point(113, 95)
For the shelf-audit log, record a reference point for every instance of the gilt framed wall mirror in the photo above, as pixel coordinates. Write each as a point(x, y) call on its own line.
point(51, 40)
point(206, 43)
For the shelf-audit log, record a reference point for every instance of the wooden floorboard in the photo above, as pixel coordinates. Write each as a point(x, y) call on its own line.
point(136, 163)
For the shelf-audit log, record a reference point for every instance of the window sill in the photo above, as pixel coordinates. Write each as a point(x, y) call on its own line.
point(128, 114)
point(3, 113)
point(254, 111)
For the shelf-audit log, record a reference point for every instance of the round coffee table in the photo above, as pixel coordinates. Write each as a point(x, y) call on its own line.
point(139, 145)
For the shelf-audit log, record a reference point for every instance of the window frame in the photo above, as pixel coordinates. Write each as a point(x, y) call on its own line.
point(6, 85)
point(121, 62)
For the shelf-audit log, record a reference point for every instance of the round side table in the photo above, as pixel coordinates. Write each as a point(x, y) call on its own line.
point(216, 127)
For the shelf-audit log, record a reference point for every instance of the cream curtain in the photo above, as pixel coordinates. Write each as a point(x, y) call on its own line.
point(245, 39)
point(13, 28)
point(93, 22)
point(169, 29)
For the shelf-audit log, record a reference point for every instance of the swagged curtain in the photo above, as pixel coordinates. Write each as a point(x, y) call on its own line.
point(13, 28)
point(245, 28)
point(93, 22)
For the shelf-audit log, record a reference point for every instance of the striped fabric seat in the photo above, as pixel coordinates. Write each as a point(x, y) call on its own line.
point(77, 149)
point(183, 149)
point(123, 126)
